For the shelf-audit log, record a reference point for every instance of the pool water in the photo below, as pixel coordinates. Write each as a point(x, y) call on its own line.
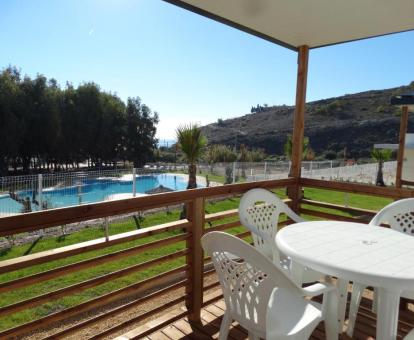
point(94, 190)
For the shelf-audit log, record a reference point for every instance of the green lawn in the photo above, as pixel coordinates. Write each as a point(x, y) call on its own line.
point(116, 228)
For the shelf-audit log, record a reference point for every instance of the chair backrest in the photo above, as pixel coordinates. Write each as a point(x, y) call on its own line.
point(399, 215)
point(259, 211)
point(247, 278)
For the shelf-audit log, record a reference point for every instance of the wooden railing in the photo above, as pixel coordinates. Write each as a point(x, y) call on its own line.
point(357, 214)
point(184, 284)
point(179, 281)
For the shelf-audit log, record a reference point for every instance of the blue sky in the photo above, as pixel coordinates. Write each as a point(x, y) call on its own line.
point(186, 67)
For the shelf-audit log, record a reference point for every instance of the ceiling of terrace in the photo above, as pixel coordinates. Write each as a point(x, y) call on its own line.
point(316, 23)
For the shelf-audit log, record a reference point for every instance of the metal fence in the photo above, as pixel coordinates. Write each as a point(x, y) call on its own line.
point(327, 170)
point(20, 194)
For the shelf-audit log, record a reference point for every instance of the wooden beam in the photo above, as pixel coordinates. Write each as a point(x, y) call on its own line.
point(195, 259)
point(350, 210)
point(356, 188)
point(299, 123)
point(401, 146)
point(100, 243)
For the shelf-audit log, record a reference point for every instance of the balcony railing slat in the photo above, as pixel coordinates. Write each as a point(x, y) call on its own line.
point(224, 226)
point(77, 266)
point(330, 216)
point(78, 248)
point(78, 287)
point(222, 214)
point(123, 308)
point(351, 210)
point(133, 289)
point(363, 189)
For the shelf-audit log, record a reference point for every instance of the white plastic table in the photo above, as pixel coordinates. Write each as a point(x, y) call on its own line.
point(378, 257)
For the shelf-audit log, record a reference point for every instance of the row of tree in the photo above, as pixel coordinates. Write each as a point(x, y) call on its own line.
point(45, 126)
point(218, 153)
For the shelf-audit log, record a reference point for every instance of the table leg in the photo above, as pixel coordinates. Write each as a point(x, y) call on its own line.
point(342, 299)
point(387, 317)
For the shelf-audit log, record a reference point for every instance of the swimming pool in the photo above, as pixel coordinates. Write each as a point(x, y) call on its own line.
point(93, 190)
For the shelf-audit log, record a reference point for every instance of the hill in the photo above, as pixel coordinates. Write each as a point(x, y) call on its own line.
point(353, 121)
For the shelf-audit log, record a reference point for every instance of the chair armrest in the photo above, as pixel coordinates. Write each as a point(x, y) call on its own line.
point(318, 289)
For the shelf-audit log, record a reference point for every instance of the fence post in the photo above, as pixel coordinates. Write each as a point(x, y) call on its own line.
point(106, 226)
point(346, 199)
point(39, 191)
point(265, 170)
point(234, 172)
point(195, 259)
point(79, 190)
point(134, 182)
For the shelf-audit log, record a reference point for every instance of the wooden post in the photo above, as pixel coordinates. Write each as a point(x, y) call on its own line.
point(195, 259)
point(299, 124)
point(401, 146)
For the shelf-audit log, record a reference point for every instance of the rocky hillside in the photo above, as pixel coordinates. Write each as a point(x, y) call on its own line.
point(355, 121)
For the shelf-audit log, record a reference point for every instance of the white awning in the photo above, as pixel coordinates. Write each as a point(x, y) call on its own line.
point(315, 23)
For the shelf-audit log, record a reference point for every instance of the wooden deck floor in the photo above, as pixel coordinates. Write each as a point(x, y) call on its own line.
point(212, 314)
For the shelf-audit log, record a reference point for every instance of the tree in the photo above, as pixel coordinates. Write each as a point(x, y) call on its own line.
point(44, 126)
point(10, 119)
point(289, 147)
point(221, 153)
point(140, 132)
point(41, 116)
point(113, 128)
point(381, 156)
point(192, 143)
point(257, 155)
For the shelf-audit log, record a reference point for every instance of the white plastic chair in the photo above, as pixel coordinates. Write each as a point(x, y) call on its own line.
point(261, 298)
point(399, 215)
point(262, 221)
point(410, 336)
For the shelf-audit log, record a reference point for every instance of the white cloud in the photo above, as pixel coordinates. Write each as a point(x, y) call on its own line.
point(91, 31)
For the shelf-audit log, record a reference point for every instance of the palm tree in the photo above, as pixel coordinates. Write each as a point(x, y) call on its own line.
point(381, 156)
point(191, 142)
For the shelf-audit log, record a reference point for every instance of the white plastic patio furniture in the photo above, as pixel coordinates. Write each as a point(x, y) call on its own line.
point(410, 336)
point(399, 216)
point(262, 298)
point(378, 257)
point(259, 211)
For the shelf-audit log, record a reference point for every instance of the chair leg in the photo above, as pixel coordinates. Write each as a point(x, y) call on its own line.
point(225, 326)
point(357, 290)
